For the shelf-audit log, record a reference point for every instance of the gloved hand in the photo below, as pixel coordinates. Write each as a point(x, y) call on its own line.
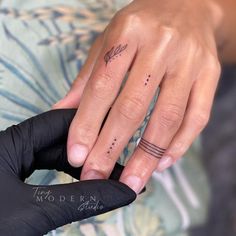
point(40, 143)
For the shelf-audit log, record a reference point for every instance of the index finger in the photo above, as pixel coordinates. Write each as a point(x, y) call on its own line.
point(99, 94)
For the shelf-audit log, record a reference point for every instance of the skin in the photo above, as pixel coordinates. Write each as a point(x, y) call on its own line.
point(174, 45)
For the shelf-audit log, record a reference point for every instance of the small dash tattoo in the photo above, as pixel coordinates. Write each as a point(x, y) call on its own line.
point(114, 52)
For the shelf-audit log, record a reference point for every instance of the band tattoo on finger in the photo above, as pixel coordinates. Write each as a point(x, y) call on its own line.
point(114, 52)
point(112, 146)
point(147, 80)
point(151, 149)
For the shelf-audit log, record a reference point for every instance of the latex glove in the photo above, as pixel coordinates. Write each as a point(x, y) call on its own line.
point(40, 143)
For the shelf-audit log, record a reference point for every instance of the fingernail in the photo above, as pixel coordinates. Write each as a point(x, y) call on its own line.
point(92, 174)
point(164, 163)
point(78, 154)
point(134, 182)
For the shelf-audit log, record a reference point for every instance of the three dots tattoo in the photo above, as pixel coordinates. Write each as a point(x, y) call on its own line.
point(147, 80)
point(112, 146)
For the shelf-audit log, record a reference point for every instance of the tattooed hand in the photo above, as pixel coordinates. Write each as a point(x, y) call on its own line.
point(162, 43)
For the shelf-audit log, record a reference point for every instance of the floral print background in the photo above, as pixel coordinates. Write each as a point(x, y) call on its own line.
point(43, 45)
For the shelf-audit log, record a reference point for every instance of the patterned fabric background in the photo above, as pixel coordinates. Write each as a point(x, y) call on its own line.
point(43, 45)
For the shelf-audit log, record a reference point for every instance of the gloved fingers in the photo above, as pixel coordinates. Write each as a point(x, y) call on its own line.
point(56, 158)
point(19, 142)
point(47, 129)
point(58, 205)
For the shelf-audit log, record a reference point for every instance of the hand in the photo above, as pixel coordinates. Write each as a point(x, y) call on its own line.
point(166, 44)
point(29, 210)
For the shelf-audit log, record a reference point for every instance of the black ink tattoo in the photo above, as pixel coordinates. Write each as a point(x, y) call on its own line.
point(151, 148)
point(114, 52)
point(147, 80)
point(112, 145)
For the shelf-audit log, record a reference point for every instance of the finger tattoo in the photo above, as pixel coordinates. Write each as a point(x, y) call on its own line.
point(114, 52)
point(112, 146)
point(151, 149)
point(147, 80)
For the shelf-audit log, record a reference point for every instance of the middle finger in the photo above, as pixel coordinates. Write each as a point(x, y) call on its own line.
point(126, 114)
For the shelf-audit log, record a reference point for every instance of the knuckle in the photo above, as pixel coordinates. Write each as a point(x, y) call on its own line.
point(201, 119)
point(218, 67)
point(213, 64)
point(120, 15)
point(191, 45)
point(170, 116)
point(169, 32)
point(126, 18)
point(132, 108)
point(178, 149)
point(131, 18)
point(85, 132)
point(102, 86)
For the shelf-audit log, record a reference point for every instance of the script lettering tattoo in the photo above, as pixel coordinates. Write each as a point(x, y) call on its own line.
point(114, 52)
point(151, 148)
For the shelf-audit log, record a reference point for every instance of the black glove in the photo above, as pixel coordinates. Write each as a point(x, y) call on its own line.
point(40, 143)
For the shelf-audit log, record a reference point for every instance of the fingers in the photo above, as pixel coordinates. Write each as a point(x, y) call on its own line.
point(99, 94)
point(197, 115)
point(20, 142)
point(57, 205)
point(126, 115)
point(48, 128)
point(165, 120)
point(72, 99)
point(55, 157)
point(167, 129)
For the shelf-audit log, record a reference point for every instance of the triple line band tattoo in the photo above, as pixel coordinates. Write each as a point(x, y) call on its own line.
point(114, 52)
point(151, 148)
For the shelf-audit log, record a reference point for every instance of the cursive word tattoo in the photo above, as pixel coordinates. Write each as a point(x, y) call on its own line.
point(114, 52)
point(151, 148)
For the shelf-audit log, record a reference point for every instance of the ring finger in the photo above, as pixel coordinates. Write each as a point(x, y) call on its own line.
point(165, 120)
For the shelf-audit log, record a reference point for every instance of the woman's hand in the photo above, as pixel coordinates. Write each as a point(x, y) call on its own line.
point(162, 43)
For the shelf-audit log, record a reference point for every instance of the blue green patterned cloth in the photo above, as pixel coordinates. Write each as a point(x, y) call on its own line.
point(43, 45)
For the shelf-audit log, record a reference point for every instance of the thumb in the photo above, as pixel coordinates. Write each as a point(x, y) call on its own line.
point(72, 99)
point(58, 205)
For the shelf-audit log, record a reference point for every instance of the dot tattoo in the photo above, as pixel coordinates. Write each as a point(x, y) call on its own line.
point(112, 146)
point(114, 52)
point(151, 148)
point(147, 80)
